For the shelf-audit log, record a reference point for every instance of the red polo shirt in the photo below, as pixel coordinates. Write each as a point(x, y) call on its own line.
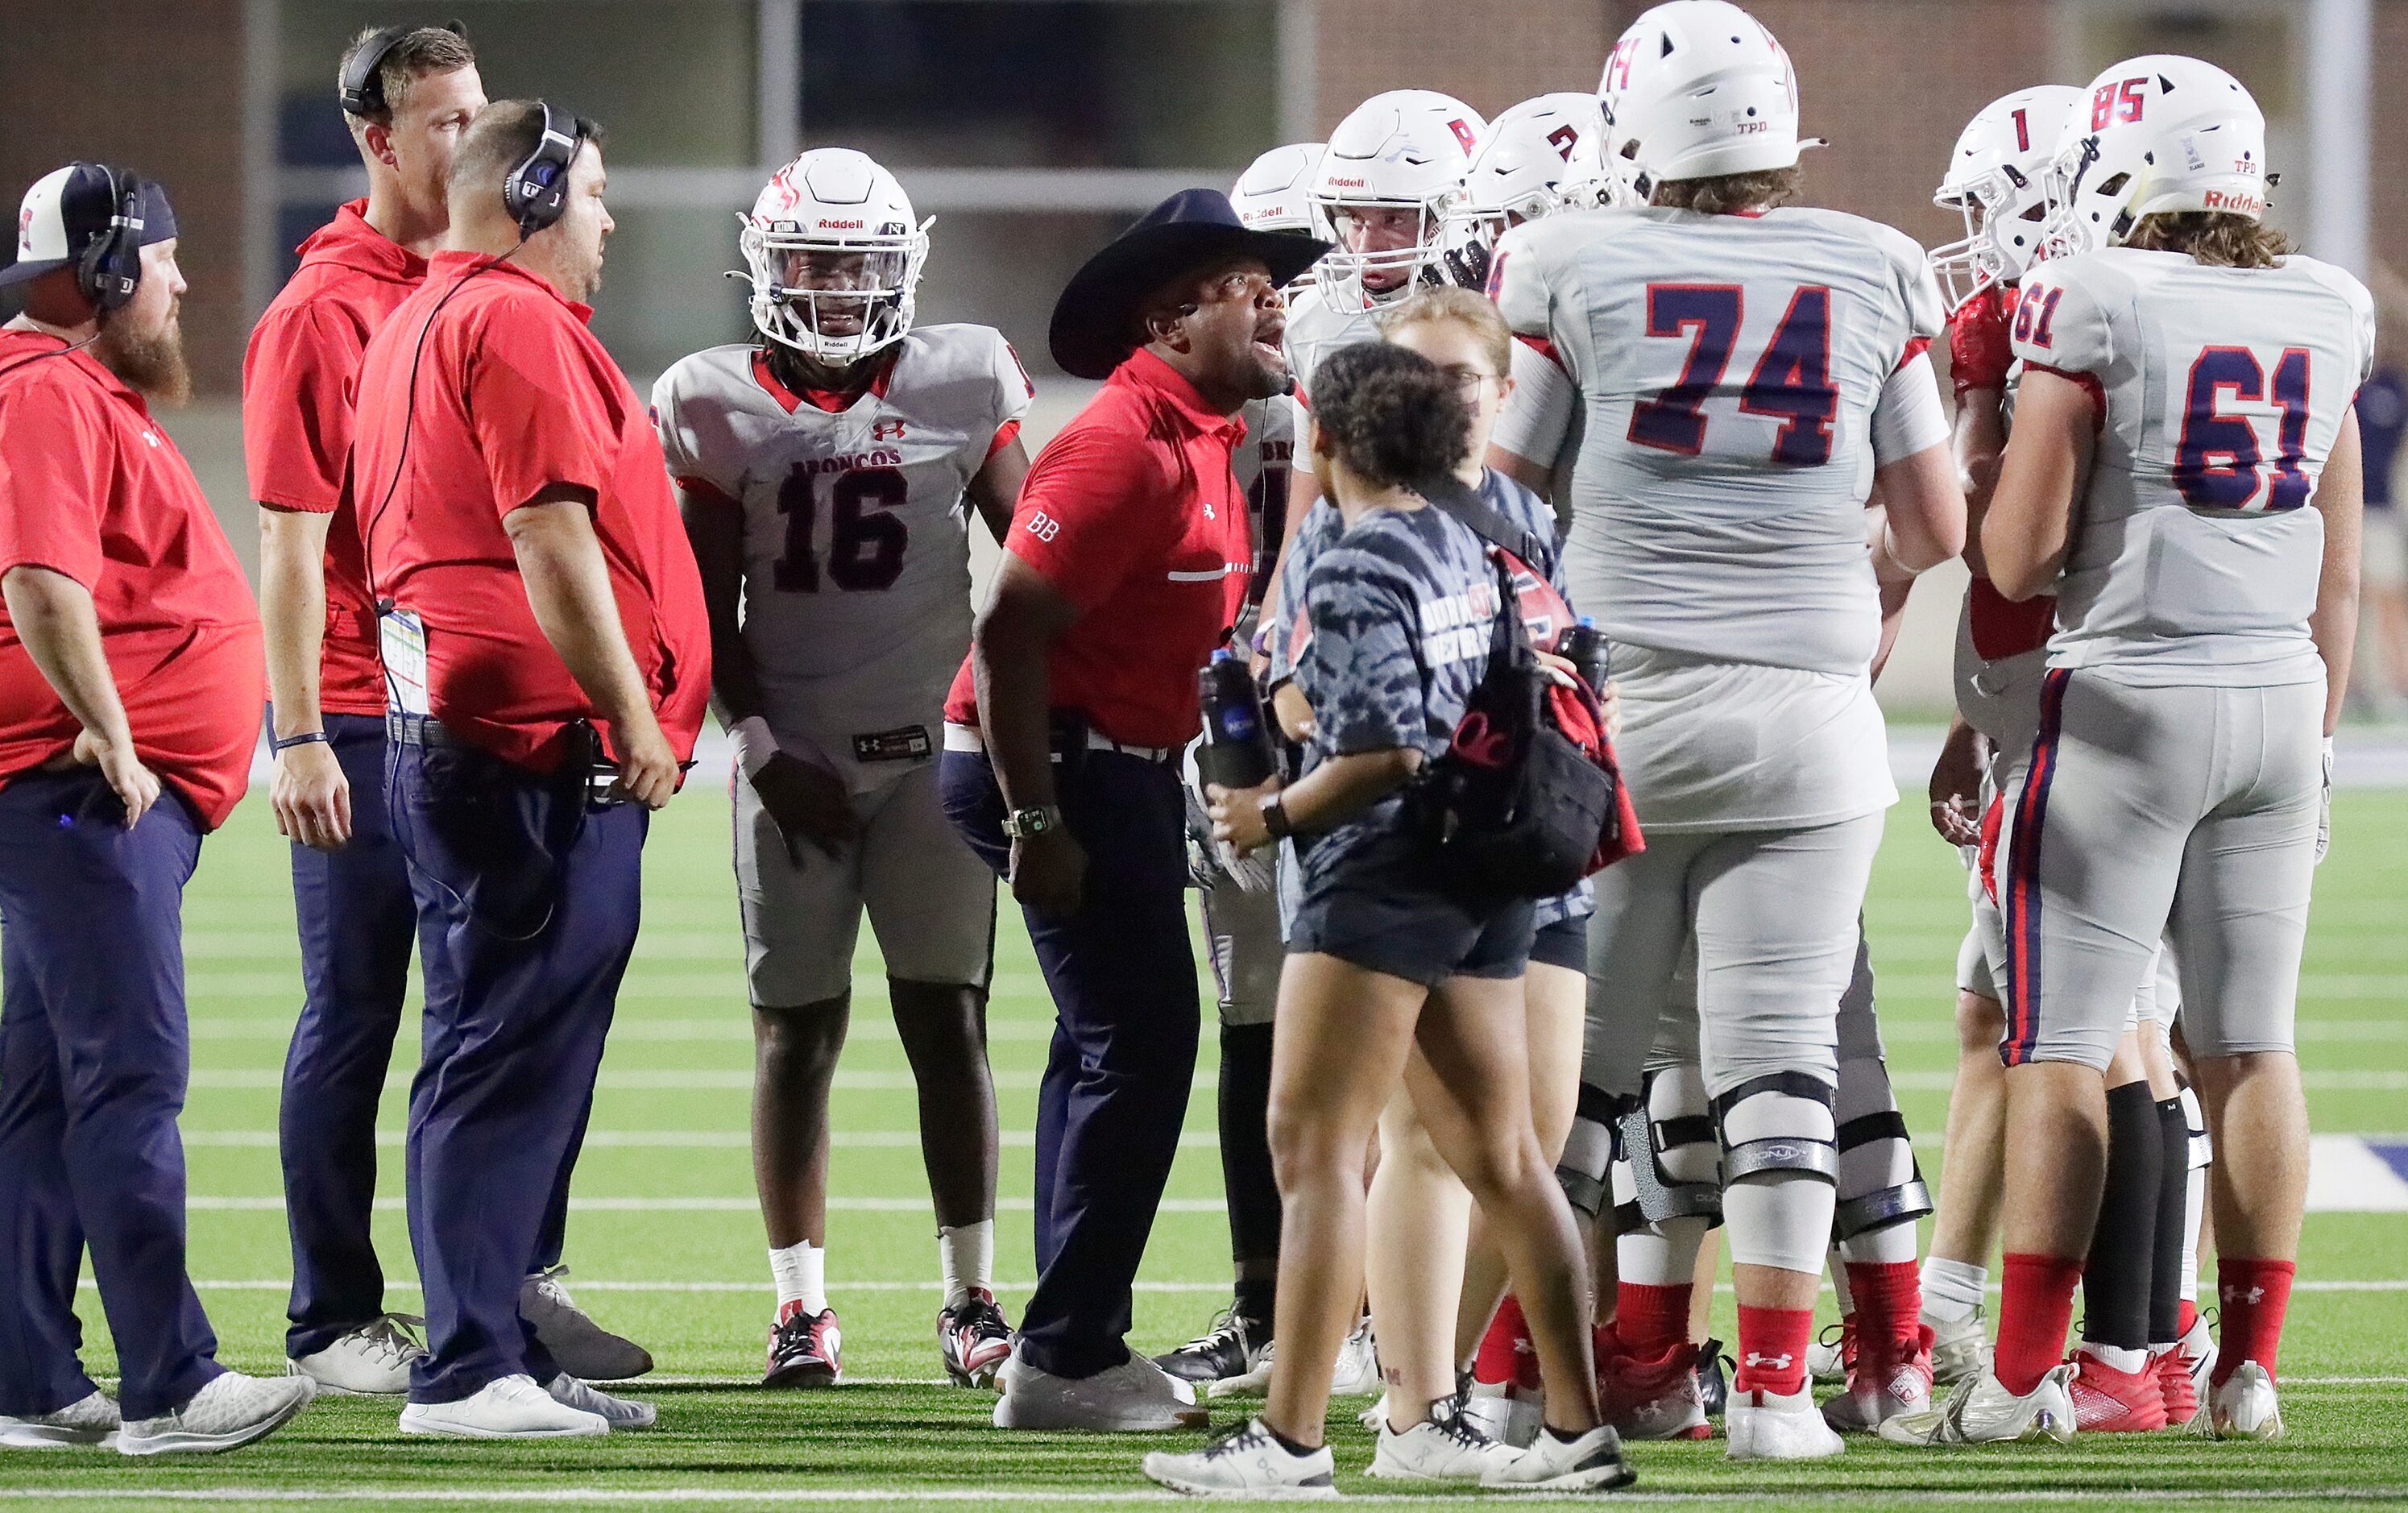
point(92, 489)
point(1133, 513)
point(515, 394)
point(297, 423)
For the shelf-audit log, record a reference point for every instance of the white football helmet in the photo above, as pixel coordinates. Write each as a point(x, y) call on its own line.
point(1275, 193)
point(1535, 158)
point(1696, 88)
point(1402, 150)
point(835, 256)
point(2157, 134)
point(1995, 182)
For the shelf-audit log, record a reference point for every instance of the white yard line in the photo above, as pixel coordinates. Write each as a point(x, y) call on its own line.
point(1851, 1495)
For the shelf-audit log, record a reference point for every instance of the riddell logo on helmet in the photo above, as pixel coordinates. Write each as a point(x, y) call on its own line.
point(842, 226)
point(1350, 183)
point(2216, 199)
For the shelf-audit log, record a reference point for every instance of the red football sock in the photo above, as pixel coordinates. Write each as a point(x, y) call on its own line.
point(2253, 1295)
point(2189, 1317)
point(1652, 1320)
point(2035, 1309)
point(1772, 1349)
point(1889, 1303)
point(1496, 1361)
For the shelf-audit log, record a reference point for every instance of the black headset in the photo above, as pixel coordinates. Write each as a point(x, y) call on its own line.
point(109, 268)
point(536, 193)
point(363, 92)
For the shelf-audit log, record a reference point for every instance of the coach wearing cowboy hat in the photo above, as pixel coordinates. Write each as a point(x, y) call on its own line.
point(1123, 568)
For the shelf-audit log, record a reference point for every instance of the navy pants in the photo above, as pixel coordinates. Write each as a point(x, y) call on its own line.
point(357, 921)
point(1114, 1094)
point(93, 1057)
point(528, 899)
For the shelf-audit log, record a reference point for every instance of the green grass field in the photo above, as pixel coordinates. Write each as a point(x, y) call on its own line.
point(666, 1245)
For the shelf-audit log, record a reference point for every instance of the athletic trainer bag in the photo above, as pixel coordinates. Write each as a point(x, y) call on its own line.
point(1516, 807)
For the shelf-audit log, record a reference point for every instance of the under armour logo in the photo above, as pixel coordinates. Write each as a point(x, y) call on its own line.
point(2252, 1295)
point(1775, 1363)
point(886, 431)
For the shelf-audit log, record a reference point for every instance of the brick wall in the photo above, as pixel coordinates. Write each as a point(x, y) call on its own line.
point(157, 87)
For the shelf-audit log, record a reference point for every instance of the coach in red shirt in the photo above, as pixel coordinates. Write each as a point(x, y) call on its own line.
point(547, 657)
point(129, 704)
point(1123, 568)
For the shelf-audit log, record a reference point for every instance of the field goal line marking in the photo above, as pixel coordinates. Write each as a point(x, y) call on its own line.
point(589, 1495)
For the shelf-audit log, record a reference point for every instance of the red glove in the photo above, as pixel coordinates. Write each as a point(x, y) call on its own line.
point(1979, 349)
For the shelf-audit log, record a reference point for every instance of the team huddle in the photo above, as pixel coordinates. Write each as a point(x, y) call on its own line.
point(1581, 373)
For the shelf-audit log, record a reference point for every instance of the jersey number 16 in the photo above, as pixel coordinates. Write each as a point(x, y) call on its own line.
point(866, 543)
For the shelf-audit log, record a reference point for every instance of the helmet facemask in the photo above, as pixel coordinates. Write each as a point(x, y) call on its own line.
point(836, 299)
point(2005, 217)
point(1352, 282)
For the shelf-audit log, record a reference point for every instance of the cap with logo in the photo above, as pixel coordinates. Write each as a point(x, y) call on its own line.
point(69, 209)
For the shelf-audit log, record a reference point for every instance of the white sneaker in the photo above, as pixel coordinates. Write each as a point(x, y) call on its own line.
point(228, 1413)
point(1961, 1348)
point(1247, 1464)
point(2198, 1348)
point(618, 1412)
point(513, 1407)
point(1135, 1396)
point(1504, 1412)
point(1592, 1462)
point(1446, 1446)
point(1827, 1359)
point(1980, 1411)
point(2244, 1406)
point(581, 1348)
point(374, 1359)
point(88, 1421)
point(1357, 1373)
point(1774, 1426)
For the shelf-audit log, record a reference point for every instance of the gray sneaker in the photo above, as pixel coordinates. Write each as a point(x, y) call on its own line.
point(88, 1420)
point(583, 1349)
point(1135, 1396)
point(231, 1411)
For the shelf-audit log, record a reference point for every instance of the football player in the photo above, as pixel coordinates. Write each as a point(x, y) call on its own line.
point(2185, 471)
point(1537, 158)
point(1240, 908)
point(825, 469)
point(1747, 370)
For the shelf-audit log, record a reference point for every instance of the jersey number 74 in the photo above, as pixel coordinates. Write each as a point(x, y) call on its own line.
point(1791, 380)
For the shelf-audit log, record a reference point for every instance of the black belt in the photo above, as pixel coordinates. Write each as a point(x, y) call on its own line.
point(421, 730)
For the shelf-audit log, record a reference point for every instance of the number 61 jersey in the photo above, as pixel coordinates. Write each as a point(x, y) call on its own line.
point(2220, 393)
point(856, 552)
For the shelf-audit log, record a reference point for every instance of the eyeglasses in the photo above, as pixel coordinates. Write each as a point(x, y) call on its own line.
point(1468, 381)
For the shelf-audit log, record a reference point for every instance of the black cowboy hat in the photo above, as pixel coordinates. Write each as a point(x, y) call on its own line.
point(1095, 321)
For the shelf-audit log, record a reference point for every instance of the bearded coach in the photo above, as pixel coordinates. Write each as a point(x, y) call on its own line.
point(1124, 566)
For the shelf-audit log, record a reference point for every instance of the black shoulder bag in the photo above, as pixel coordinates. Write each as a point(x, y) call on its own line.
point(1514, 807)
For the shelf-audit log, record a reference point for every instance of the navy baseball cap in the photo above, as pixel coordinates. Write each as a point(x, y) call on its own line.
point(67, 210)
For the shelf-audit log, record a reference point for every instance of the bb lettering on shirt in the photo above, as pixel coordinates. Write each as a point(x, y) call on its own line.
point(1042, 526)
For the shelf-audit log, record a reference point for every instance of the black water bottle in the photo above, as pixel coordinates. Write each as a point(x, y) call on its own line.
point(1584, 646)
point(1237, 750)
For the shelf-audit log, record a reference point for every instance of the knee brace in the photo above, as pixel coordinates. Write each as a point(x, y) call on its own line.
point(2202, 1151)
point(1676, 1169)
point(1777, 1124)
point(1879, 1183)
point(1592, 1148)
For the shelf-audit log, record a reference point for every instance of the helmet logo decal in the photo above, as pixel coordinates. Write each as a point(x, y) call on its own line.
point(1462, 130)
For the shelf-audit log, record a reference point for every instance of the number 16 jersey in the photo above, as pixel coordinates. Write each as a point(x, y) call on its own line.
point(856, 554)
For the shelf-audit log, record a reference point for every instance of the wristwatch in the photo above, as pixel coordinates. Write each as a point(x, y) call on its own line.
point(1019, 824)
point(1275, 821)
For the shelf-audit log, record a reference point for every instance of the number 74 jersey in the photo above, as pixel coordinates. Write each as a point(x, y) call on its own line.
point(2220, 393)
point(1732, 372)
point(857, 554)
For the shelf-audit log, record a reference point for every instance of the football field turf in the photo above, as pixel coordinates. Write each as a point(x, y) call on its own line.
point(667, 1244)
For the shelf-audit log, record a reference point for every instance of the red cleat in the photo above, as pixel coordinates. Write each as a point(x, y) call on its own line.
point(1650, 1398)
point(1883, 1384)
point(803, 1349)
point(2110, 1402)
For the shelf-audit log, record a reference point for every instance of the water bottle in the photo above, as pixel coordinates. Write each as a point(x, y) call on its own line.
point(1237, 750)
point(1584, 646)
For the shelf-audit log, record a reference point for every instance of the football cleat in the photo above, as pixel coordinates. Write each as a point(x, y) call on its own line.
point(1354, 1374)
point(1225, 1351)
point(1713, 1378)
point(1884, 1384)
point(2244, 1407)
point(1650, 1397)
point(1827, 1359)
point(2110, 1402)
point(1961, 1348)
point(803, 1349)
point(2173, 1385)
point(1249, 1462)
point(1504, 1395)
point(974, 1340)
point(2194, 1358)
point(1777, 1426)
point(1980, 1411)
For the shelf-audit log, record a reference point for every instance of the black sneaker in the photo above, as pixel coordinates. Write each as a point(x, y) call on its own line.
point(1228, 1348)
point(1713, 1378)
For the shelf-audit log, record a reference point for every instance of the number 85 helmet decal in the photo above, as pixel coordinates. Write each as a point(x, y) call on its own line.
point(2156, 135)
point(834, 256)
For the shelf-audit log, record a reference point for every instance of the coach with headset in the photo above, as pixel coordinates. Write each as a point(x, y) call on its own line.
point(547, 658)
point(130, 690)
